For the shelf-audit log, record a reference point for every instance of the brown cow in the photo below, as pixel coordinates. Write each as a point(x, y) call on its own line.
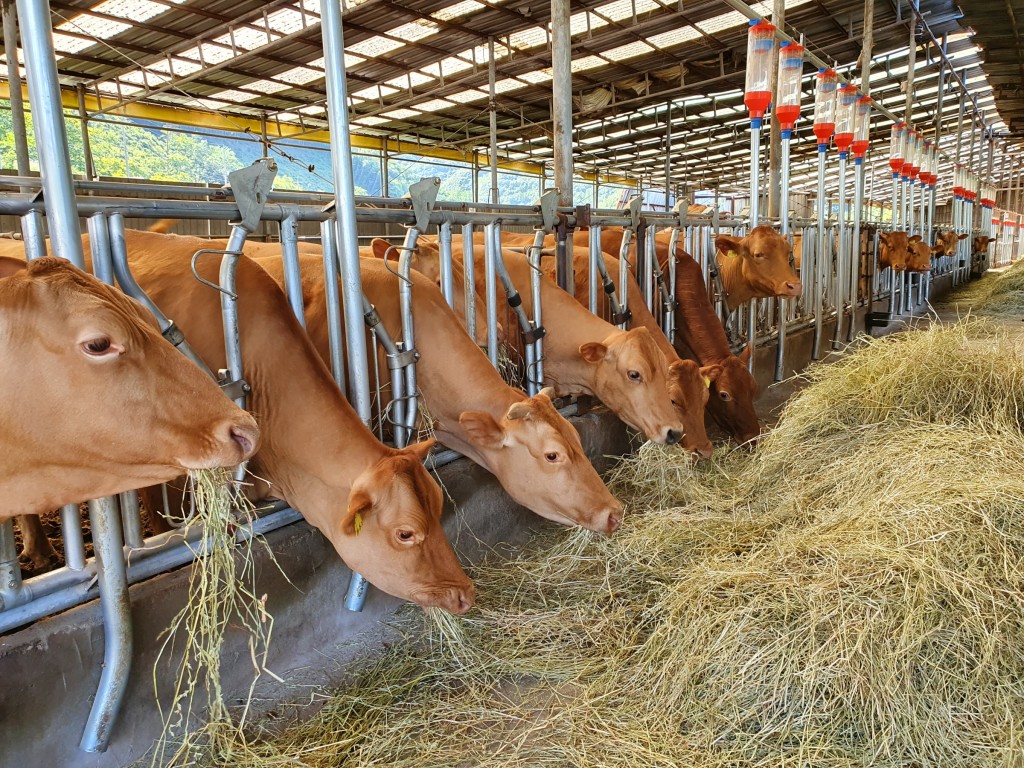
point(533, 451)
point(96, 402)
point(378, 506)
point(756, 266)
point(688, 382)
point(945, 242)
point(894, 250)
point(585, 355)
point(980, 244)
point(919, 255)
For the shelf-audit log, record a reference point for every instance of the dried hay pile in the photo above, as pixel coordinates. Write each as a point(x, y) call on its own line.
point(996, 294)
point(850, 594)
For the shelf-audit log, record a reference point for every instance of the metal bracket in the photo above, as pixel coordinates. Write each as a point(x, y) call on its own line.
point(633, 207)
point(250, 187)
point(173, 333)
point(622, 317)
point(402, 359)
point(233, 389)
point(548, 205)
point(533, 334)
point(582, 216)
point(423, 195)
point(680, 210)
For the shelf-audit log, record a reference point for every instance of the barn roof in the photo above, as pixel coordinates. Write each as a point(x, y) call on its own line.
point(417, 71)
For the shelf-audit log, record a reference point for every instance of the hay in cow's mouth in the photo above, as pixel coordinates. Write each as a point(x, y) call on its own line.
point(198, 726)
point(850, 594)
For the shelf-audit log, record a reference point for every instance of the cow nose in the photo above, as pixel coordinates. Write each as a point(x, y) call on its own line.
point(244, 434)
point(673, 436)
point(794, 288)
point(614, 521)
point(465, 599)
point(706, 450)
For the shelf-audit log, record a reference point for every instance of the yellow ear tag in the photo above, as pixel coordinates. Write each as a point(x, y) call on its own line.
point(357, 522)
point(707, 382)
point(731, 254)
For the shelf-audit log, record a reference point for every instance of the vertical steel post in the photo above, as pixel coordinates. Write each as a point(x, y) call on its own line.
point(347, 228)
point(492, 252)
point(48, 125)
point(14, 83)
point(841, 256)
point(492, 146)
point(780, 351)
point(469, 278)
point(561, 100)
point(855, 250)
point(819, 260)
point(112, 578)
point(292, 273)
point(83, 114)
point(444, 242)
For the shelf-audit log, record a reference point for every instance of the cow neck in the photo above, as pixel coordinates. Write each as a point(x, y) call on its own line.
point(314, 445)
point(737, 292)
point(455, 376)
point(698, 329)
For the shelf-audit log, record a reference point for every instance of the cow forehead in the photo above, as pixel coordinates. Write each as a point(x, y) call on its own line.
point(396, 478)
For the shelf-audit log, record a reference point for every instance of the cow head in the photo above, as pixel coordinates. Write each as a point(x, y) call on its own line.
point(980, 244)
point(538, 457)
point(426, 260)
point(945, 243)
point(919, 255)
point(94, 388)
point(391, 533)
point(893, 250)
point(731, 402)
point(630, 376)
point(762, 259)
point(688, 387)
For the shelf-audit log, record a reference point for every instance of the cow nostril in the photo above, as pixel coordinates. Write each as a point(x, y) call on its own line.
point(672, 437)
point(706, 451)
point(467, 598)
point(614, 521)
point(243, 439)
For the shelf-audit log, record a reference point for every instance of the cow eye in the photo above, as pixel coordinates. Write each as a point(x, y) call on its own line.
point(725, 396)
point(551, 457)
point(634, 375)
point(758, 255)
point(405, 536)
point(100, 346)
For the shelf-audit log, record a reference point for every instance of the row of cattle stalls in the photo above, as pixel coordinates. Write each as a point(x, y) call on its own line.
point(839, 258)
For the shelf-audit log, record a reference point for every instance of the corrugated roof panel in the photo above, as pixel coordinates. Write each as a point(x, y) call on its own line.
point(435, 105)
point(528, 38)
point(623, 9)
point(628, 51)
point(369, 120)
point(375, 92)
point(466, 97)
point(586, 63)
point(455, 11)
point(400, 114)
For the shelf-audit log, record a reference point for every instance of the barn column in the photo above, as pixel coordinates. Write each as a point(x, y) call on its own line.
point(493, 109)
point(561, 99)
point(14, 80)
point(48, 125)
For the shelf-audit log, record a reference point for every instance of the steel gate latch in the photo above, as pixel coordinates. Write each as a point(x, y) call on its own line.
point(251, 188)
point(423, 195)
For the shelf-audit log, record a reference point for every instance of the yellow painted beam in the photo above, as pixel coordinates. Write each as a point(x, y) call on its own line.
point(283, 130)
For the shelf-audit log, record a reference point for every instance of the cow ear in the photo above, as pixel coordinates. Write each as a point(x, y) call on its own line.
point(711, 373)
point(548, 392)
point(419, 450)
point(938, 249)
point(359, 506)
point(380, 248)
point(963, 237)
point(481, 429)
point(520, 410)
point(914, 239)
point(593, 351)
point(884, 237)
point(10, 266)
point(729, 245)
point(991, 239)
point(744, 356)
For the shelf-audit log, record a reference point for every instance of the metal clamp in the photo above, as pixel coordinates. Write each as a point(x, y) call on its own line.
point(423, 195)
point(399, 360)
point(251, 187)
point(236, 389)
point(548, 205)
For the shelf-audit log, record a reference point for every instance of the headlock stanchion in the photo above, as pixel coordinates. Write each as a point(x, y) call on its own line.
point(846, 126)
point(787, 109)
point(897, 155)
point(859, 147)
point(757, 96)
point(826, 84)
point(469, 278)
